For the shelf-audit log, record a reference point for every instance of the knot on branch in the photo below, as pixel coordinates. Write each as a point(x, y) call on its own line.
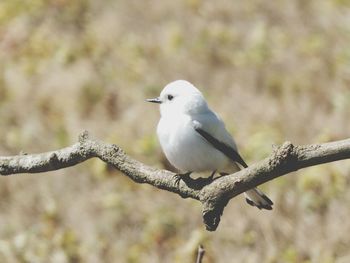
point(212, 212)
point(83, 137)
point(114, 151)
point(53, 158)
point(117, 149)
point(54, 161)
point(283, 155)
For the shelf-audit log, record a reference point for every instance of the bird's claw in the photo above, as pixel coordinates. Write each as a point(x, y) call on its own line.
point(197, 183)
point(179, 177)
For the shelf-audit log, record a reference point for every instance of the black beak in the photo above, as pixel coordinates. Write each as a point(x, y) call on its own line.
point(155, 100)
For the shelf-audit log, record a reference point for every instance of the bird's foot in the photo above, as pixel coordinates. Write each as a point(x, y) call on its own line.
point(179, 177)
point(197, 183)
point(203, 181)
point(211, 177)
point(223, 174)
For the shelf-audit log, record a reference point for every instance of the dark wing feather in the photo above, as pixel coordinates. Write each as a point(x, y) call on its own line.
point(231, 153)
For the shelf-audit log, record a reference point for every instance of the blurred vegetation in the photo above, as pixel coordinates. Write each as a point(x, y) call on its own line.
point(274, 71)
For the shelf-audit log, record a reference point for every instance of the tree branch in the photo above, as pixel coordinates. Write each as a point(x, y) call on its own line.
point(200, 254)
point(213, 196)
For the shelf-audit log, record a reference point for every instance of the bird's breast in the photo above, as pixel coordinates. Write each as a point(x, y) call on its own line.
point(185, 148)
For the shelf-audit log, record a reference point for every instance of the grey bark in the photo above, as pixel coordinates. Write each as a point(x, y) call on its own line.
point(214, 196)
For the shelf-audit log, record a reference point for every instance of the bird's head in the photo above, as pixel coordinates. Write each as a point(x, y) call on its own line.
point(180, 97)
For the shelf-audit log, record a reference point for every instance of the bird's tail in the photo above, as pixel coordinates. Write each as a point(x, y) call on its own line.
point(257, 198)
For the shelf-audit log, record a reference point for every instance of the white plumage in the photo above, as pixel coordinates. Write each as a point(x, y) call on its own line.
point(184, 113)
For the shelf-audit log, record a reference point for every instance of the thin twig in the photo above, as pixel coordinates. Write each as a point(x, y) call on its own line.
point(200, 254)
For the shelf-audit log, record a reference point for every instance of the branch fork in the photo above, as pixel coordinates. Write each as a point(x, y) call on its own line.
point(213, 196)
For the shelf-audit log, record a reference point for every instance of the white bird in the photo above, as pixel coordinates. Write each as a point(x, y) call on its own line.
point(194, 138)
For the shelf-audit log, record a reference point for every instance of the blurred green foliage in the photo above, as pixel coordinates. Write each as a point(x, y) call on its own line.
point(274, 71)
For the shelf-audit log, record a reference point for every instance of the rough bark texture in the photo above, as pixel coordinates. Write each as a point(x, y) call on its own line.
point(214, 195)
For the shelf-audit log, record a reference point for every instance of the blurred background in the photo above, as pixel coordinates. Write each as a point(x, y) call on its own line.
point(273, 70)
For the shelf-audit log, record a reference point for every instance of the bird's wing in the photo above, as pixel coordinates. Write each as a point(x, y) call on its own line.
point(213, 130)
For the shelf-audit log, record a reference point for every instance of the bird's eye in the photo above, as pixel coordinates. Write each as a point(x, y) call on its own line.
point(170, 97)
